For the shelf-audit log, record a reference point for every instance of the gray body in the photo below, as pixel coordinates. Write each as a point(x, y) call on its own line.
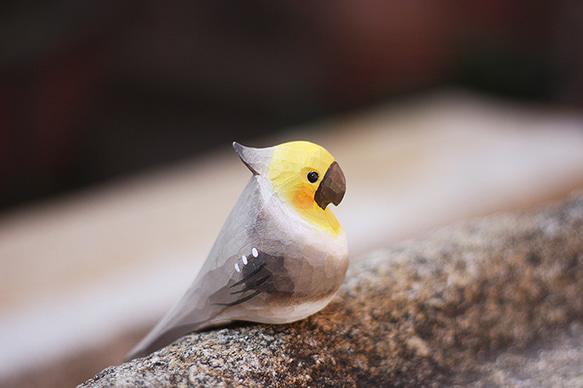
point(267, 265)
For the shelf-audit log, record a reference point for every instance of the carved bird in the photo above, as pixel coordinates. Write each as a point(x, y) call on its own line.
point(281, 254)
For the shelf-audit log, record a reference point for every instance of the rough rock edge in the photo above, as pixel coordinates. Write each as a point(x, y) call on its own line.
point(423, 313)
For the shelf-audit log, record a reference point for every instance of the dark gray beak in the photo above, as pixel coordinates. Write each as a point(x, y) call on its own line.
point(332, 187)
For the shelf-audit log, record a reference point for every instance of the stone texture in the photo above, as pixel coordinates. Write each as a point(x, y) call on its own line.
point(490, 302)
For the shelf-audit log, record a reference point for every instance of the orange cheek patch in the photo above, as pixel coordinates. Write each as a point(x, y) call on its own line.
point(304, 198)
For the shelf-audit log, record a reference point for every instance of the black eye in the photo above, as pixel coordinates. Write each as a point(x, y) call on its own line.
point(313, 176)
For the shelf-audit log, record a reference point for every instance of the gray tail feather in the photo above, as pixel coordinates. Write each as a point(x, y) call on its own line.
point(149, 345)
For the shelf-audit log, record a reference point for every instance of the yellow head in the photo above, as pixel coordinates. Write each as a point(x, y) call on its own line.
point(304, 175)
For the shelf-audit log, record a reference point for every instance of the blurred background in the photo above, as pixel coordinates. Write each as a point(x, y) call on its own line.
point(93, 90)
point(116, 119)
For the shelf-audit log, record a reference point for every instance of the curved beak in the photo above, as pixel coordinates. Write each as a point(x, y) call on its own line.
point(332, 187)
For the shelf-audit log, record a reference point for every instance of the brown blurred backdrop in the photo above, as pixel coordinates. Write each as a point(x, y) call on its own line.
point(96, 89)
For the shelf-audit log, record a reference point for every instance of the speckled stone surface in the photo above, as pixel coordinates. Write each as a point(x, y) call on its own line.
point(491, 302)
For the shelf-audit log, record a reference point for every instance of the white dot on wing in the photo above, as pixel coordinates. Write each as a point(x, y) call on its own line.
point(244, 259)
point(254, 251)
point(237, 267)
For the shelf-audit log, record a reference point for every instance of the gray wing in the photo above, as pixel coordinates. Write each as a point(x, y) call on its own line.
point(236, 271)
point(251, 276)
point(258, 273)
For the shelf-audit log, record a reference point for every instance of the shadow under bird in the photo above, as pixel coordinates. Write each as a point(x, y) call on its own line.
point(281, 254)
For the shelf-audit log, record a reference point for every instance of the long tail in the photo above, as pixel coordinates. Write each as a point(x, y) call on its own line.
point(187, 316)
point(154, 341)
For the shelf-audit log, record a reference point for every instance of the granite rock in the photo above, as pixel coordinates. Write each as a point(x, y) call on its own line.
point(479, 303)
